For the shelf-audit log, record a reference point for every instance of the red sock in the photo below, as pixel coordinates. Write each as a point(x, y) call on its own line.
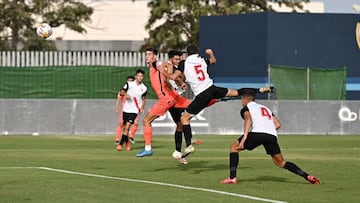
point(133, 131)
point(211, 102)
point(147, 135)
point(118, 133)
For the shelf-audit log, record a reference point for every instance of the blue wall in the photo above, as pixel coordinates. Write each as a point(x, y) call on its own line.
point(245, 44)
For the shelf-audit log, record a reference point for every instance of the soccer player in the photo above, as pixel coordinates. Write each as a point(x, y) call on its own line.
point(183, 55)
point(260, 128)
point(167, 98)
point(173, 61)
point(121, 99)
point(196, 74)
point(135, 95)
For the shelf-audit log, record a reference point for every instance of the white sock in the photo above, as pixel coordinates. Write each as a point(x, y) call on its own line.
point(147, 147)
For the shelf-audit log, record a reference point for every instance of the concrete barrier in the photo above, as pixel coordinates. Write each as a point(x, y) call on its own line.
point(96, 116)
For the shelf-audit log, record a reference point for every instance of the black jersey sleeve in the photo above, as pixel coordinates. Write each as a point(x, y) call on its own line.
point(154, 64)
point(175, 68)
point(145, 93)
point(126, 87)
point(207, 61)
point(181, 66)
point(243, 110)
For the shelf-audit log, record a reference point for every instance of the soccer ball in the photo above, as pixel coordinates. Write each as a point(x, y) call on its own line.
point(44, 30)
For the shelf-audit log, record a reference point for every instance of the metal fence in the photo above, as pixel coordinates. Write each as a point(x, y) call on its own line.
point(73, 58)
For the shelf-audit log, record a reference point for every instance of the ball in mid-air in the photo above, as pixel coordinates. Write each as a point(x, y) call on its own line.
point(44, 30)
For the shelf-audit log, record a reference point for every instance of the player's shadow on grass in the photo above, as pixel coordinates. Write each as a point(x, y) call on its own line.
point(270, 179)
point(195, 167)
point(139, 145)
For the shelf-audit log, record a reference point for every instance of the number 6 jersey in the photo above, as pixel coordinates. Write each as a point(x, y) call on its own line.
point(195, 71)
point(261, 118)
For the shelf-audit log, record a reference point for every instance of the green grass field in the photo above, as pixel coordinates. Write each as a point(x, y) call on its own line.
point(91, 170)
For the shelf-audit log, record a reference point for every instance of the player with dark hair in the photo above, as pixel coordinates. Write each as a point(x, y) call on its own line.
point(173, 61)
point(183, 55)
point(260, 128)
point(195, 70)
point(167, 98)
point(134, 93)
point(121, 99)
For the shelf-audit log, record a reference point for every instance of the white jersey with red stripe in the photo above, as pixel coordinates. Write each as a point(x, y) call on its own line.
point(262, 119)
point(196, 74)
point(133, 103)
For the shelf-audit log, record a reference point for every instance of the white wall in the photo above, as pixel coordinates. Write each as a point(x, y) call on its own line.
point(96, 116)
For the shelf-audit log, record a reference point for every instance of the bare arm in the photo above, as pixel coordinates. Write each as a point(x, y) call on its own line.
point(247, 126)
point(163, 70)
point(117, 103)
point(276, 122)
point(169, 69)
point(143, 104)
point(181, 79)
point(176, 76)
point(212, 58)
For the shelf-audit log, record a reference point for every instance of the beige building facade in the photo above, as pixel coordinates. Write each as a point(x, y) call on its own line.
point(125, 20)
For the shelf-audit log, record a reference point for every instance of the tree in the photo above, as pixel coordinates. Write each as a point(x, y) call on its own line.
point(18, 19)
point(174, 24)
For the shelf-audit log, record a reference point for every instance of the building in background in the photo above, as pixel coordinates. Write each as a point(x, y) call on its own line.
point(119, 25)
point(116, 25)
point(312, 7)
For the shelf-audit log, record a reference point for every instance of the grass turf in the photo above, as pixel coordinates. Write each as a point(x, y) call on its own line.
point(334, 159)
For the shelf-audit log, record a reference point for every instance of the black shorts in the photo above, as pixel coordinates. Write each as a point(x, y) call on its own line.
point(129, 117)
point(176, 114)
point(268, 141)
point(202, 100)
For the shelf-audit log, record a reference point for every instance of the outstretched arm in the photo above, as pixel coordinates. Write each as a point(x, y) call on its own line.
point(212, 58)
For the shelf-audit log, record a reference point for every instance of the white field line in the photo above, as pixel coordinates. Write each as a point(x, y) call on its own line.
point(150, 182)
